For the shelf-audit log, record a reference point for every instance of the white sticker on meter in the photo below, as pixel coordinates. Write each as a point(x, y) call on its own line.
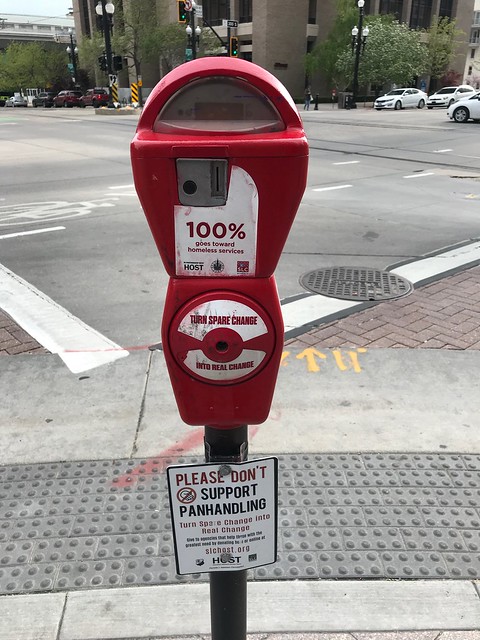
point(246, 363)
point(235, 316)
point(222, 240)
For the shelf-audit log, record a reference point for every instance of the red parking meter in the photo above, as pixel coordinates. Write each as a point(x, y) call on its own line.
point(220, 164)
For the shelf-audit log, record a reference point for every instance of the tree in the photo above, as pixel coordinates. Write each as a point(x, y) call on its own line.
point(135, 29)
point(167, 43)
point(394, 54)
point(325, 55)
point(33, 65)
point(90, 49)
point(442, 42)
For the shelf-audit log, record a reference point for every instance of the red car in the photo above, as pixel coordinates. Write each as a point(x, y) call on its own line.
point(67, 99)
point(95, 98)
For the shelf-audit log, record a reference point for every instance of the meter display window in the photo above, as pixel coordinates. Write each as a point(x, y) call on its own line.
point(218, 105)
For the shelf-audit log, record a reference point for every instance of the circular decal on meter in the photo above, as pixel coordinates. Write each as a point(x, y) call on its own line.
point(222, 340)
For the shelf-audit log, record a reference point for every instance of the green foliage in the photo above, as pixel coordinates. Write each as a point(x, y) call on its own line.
point(89, 51)
point(325, 55)
point(394, 54)
point(443, 39)
point(167, 44)
point(33, 64)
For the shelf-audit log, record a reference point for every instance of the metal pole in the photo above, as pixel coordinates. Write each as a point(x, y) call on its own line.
point(74, 59)
point(194, 35)
point(357, 59)
point(228, 589)
point(108, 50)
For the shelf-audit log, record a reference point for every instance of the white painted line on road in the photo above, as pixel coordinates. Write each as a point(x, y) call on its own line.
point(314, 308)
point(348, 162)
point(434, 265)
point(307, 310)
point(6, 124)
point(420, 175)
point(78, 345)
point(31, 233)
point(123, 186)
point(442, 150)
point(125, 195)
point(340, 186)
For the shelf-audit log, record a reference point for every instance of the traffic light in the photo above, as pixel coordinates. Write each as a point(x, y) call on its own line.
point(233, 47)
point(102, 61)
point(182, 14)
point(117, 63)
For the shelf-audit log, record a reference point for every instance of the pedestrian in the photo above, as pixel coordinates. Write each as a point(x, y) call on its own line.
point(308, 99)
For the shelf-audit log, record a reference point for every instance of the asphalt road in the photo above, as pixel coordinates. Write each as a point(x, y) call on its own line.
point(382, 187)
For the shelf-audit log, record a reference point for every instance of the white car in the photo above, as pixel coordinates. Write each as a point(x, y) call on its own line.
point(401, 99)
point(16, 100)
point(465, 109)
point(448, 95)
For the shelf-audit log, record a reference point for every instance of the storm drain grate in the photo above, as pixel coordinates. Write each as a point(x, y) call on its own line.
point(356, 283)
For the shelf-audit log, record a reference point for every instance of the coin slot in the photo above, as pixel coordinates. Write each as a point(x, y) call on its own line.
point(222, 346)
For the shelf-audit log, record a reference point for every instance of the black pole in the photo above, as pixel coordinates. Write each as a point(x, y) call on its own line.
point(228, 589)
point(108, 51)
point(194, 35)
point(358, 50)
point(74, 58)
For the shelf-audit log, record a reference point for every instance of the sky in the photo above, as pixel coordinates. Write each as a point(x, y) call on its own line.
point(36, 7)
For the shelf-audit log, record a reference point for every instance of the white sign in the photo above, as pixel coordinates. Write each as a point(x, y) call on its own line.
point(212, 315)
point(224, 516)
point(112, 79)
point(221, 240)
point(199, 11)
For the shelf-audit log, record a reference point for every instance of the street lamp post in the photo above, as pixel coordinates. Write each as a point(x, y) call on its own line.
point(72, 51)
point(106, 10)
point(193, 34)
point(359, 40)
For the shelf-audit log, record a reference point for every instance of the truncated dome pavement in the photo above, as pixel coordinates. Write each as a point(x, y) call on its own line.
point(75, 525)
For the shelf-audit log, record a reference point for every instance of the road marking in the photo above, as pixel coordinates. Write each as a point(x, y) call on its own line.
point(31, 233)
point(303, 313)
point(348, 162)
point(431, 266)
point(34, 212)
point(420, 175)
point(340, 186)
point(5, 124)
point(442, 150)
point(123, 186)
point(79, 346)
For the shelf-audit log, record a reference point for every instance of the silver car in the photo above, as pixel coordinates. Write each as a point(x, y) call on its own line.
point(16, 101)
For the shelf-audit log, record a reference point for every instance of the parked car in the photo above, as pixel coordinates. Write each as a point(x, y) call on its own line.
point(448, 95)
point(401, 99)
point(97, 97)
point(67, 99)
point(16, 100)
point(465, 109)
point(3, 99)
point(43, 99)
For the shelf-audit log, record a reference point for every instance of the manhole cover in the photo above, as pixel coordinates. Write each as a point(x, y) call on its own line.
point(355, 283)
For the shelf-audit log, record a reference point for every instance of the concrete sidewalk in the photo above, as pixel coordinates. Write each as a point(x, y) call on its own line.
point(375, 421)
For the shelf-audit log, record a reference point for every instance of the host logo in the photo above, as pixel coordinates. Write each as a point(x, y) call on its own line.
point(226, 559)
point(193, 266)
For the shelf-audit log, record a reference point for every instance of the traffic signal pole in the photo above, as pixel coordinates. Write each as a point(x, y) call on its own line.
point(108, 50)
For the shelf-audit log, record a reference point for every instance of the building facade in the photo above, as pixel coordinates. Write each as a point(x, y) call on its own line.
point(472, 65)
point(25, 28)
point(277, 34)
